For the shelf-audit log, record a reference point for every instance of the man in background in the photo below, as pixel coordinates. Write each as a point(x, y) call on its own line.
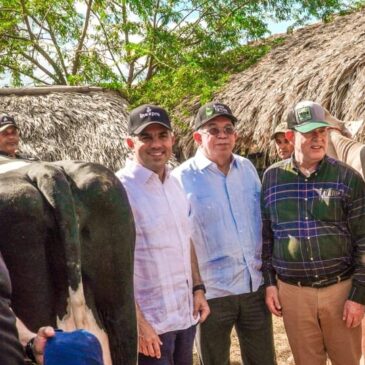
point(283, 147)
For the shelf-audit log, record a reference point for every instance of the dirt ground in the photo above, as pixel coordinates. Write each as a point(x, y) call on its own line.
point(283, 353)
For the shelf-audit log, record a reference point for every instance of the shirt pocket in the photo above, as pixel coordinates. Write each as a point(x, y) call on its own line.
point(221, 271)
point(327, 206)
point(150, 232)
point(210, 223)
point(207, 211)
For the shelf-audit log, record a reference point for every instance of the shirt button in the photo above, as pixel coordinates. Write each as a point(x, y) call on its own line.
point(305, 199)
point(316, 276)
point(311, 258)
point(306, 217)
point(308, 238)
point(305, 179)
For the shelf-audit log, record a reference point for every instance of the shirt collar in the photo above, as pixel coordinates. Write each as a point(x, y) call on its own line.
point(203, 162)
point(143, 174)
point(294, 164)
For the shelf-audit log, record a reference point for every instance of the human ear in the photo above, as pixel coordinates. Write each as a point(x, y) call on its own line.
point(129, 143)
point(197, 137)
point(289, 135)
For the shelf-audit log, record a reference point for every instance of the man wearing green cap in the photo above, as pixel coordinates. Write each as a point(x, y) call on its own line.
point(223, 189)
point(313, 211)
point(283, 147)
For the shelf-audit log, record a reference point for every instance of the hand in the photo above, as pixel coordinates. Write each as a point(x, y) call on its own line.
point(148, 340)
point(272, 300)
point(353, 313)
point(200, 306)
point(40, 342)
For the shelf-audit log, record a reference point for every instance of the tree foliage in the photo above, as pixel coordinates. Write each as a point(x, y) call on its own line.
point(126, 43)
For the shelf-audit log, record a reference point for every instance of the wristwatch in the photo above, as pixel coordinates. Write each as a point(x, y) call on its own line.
point(199, 287)
point(29, 351)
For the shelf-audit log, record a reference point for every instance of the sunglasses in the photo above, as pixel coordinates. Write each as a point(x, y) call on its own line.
point(214, 131)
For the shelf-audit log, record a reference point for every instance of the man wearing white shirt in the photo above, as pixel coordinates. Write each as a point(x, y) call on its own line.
point(224, 193)
point(168, 290)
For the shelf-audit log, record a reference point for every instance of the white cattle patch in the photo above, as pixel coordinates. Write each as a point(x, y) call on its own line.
point(79, 316)
point(10, 166)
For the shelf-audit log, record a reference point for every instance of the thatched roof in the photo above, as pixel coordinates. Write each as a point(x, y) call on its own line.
point(62, 123)
point(321, 62)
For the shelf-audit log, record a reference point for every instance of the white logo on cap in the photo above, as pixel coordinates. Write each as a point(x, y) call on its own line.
point(149, 113)
point(221, 109)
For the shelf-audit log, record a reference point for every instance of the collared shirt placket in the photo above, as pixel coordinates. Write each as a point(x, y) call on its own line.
point(240, 222)
point(185, 249)
point(312, 254)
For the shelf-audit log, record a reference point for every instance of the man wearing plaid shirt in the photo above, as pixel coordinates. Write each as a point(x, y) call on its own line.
point(313, 211)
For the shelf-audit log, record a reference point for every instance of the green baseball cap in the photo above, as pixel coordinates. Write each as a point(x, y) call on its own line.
point(306, 116)
point(212, 110)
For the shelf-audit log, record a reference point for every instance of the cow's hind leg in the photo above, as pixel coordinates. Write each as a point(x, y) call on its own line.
point(107, 236)
point(55, 187)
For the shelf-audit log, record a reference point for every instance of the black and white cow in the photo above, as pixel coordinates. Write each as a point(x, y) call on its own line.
point(67, 238)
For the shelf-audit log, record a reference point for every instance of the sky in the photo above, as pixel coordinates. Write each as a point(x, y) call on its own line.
point(279, 27)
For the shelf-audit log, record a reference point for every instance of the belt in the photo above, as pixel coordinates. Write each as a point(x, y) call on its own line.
point(317, 284)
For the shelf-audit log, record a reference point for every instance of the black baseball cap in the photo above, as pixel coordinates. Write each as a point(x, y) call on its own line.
point(306, 116)
point(212, 110)
point(7, 121)
point(144, 115)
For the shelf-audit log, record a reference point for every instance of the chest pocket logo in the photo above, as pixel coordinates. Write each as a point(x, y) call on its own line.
point(327, 204)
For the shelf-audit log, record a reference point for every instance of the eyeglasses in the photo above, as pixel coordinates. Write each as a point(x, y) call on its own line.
point(214, 131)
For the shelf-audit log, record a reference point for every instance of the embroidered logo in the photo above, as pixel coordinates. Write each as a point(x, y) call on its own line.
point(304, 114)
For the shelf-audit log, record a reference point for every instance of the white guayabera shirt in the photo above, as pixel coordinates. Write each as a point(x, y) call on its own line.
point(162, 264)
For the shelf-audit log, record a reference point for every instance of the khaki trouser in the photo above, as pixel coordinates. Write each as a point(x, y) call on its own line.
point(314, 325)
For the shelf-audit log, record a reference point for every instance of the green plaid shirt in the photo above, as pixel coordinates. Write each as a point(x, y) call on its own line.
point(314, 227)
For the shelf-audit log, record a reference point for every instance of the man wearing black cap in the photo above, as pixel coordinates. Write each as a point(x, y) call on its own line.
point(168, 290)
point(314, 244)
point(9, 136)
point(224, 190)
point(13, 332)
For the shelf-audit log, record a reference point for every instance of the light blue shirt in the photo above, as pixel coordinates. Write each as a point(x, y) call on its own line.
point(226, 221)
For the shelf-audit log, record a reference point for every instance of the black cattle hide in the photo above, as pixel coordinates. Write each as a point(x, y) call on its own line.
point(54, 217)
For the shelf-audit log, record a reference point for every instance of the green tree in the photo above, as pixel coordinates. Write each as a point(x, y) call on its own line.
point(127, 42)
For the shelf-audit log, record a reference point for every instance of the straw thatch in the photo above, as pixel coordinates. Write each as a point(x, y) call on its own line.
point(63, 123)
point(321, 62)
